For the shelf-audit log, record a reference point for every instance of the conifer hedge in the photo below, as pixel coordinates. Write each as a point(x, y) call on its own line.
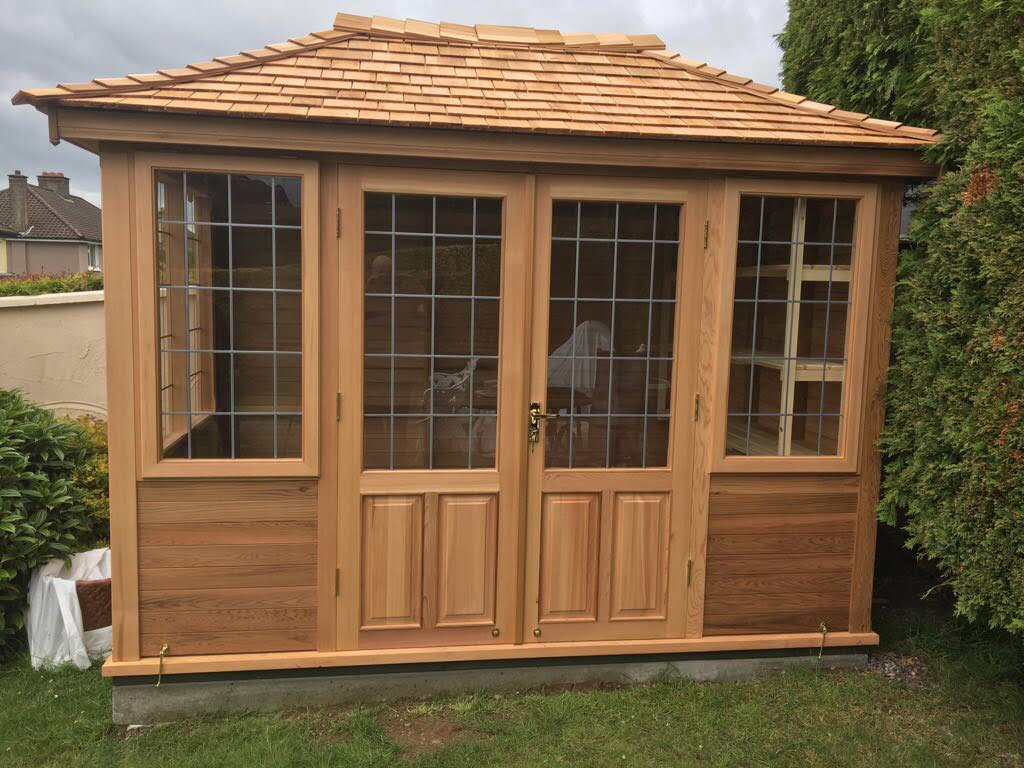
point(954, 439)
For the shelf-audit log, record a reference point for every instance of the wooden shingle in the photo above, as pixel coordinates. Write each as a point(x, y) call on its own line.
point(390, 71)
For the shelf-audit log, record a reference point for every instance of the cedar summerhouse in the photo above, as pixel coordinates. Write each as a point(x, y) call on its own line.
point(447, 343)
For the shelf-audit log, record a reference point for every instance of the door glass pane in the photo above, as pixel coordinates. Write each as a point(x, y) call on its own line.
point(611, 334)
point(432, 269)
point(790, 307)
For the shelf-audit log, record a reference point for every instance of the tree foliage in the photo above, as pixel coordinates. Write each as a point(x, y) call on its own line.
point(954, 439)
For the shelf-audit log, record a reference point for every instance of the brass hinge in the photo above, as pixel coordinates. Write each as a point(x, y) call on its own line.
point(689, 572)
point(337, 406)
point(337, 582)
point(696, 407)
point(337, 223)
point(705, 235)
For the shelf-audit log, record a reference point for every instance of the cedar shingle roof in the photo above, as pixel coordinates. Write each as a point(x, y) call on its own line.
point(52, 216)
point(514, 79)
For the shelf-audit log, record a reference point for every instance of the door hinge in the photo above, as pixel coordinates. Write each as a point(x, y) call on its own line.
point(689, 572)
point(337, 406)
point(696, 407)
point(337, 224)
point(705, 235)
point(337, 582)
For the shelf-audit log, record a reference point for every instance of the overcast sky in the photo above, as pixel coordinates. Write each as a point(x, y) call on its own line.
point(51, 41)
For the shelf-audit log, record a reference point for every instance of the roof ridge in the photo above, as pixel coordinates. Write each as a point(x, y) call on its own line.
point(495, 33)
point(104, 86)
point(35, 192)
point(796, 101)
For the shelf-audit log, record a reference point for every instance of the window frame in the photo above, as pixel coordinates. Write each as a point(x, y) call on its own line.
point(847, 458)
point(152, 463)
point(94, 257)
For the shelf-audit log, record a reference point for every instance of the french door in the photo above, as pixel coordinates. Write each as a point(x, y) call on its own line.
point(433, 386)
point(613, 375)
point(466, 299)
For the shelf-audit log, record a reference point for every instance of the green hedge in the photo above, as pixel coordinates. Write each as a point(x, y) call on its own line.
point(34, 285)
point(44, 503)
point(954, 441)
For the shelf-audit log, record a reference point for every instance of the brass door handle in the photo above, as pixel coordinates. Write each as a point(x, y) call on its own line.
point(536, 416)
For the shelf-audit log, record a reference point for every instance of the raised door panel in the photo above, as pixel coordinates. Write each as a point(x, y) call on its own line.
point(639, 561)
point(467, 542)
point(570, 542)
point(392, 558)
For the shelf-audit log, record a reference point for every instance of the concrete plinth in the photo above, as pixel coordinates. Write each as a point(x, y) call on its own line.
point(138, 701)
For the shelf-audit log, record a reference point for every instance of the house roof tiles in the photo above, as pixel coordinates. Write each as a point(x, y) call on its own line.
point(514, 79)
point(51, 216)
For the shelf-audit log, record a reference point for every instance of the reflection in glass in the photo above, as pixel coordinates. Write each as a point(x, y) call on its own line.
point(431, 326)
point(791, 303)
point(228, 253)
point(611, 322)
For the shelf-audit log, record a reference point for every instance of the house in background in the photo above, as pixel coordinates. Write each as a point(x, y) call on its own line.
point(45, 229)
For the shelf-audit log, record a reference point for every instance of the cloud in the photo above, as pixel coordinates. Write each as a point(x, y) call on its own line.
point(51, 41)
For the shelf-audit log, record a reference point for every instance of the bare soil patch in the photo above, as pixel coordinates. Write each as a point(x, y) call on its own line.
point(421, 734)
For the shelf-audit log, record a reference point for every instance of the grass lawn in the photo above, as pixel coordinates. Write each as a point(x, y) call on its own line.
point(966, 710)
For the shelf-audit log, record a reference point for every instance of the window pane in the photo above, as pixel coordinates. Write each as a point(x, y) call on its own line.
point(790, 310)
point(229, 314)
point(611, 326)
point(431, 329)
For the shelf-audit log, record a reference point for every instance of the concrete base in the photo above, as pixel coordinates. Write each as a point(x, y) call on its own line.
point(138, 701)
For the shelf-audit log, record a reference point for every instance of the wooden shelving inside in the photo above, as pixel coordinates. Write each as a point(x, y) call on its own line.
point(808, 273)
point(792, 369)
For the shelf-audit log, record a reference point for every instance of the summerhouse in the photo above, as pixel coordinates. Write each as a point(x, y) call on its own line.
point(438, 343)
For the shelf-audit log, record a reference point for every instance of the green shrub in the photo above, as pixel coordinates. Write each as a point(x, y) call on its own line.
point(34, 285)
point(92, 477)
point(42, 512)
point(954, 440)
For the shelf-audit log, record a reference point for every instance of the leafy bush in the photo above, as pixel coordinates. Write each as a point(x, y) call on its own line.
point(954, 441)
point(34, 285)
point(42, 512)
point(91, 476)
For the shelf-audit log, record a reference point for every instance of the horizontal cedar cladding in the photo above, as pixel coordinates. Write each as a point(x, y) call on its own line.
point(227, 566)
point(780, 553)
point(513, 79)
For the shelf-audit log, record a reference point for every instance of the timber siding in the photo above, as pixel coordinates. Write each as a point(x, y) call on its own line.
point(227, 566)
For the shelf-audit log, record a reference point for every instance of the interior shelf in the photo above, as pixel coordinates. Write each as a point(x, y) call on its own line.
point(808, 273)
point(804, 369)
point(788, 380)
point(763, 442)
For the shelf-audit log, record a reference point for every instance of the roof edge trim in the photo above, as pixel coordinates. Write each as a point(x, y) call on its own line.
point(793, 100)
point(104, 86)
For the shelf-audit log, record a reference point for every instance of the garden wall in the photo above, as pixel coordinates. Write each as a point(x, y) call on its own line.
point(52, 348)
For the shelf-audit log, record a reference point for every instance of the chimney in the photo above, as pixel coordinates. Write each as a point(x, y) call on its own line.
point(18, 185)
point(55, 181)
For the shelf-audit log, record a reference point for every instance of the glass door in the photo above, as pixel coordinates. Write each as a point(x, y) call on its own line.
point(431, 464)
point(613, 374)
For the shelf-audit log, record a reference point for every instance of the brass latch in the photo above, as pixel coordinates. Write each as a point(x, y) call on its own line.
point(160, 665)
point(536, 416)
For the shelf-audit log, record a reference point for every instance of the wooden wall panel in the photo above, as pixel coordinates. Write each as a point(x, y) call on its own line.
point(392, 562)
point(467, 548)
point(780, 553)
point(226, 566)
point(570, 541)
point(639, 561)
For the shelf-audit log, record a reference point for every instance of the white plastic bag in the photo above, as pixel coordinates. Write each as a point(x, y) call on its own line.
point(55, 634)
